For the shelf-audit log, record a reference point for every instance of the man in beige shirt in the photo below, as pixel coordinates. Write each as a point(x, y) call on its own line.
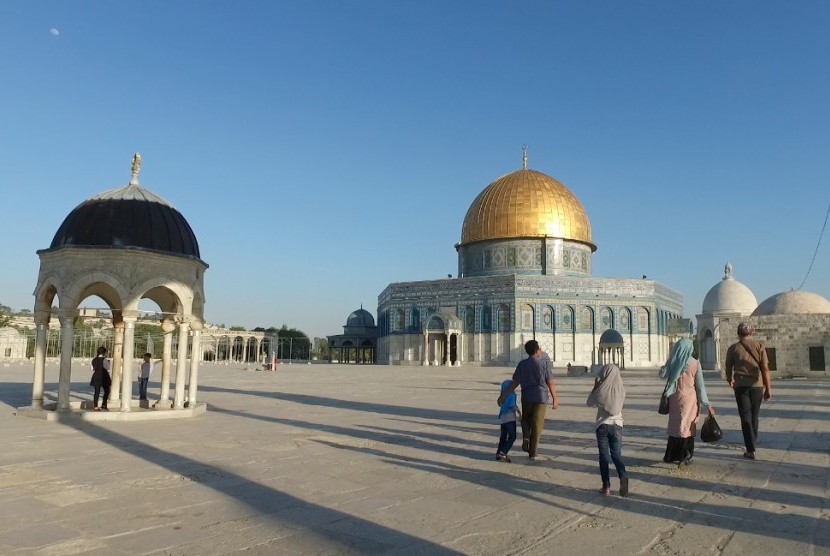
point(747, 372)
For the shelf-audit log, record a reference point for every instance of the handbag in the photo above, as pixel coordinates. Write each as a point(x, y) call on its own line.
point(663, 408)
point(710, 431)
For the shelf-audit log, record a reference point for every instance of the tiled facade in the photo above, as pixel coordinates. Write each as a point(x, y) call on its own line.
point(495, 315)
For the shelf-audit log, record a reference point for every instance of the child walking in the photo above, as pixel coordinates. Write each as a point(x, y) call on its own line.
point(508, 415)
point(608, 397)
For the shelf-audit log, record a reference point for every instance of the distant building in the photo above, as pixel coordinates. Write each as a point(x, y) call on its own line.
point(358, 342)
point(794, 327)
point(12, 344)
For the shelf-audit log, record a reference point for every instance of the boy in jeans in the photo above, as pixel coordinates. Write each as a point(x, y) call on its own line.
point(508, 415)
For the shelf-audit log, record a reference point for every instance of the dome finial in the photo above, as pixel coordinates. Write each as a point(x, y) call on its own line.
point(524, 157)
point(136, 168)
point(727, 271)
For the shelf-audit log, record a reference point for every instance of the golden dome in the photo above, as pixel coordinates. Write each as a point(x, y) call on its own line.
point(526, 203)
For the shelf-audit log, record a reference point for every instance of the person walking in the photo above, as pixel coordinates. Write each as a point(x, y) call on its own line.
point(535, 378)
point(508, 415)
point(608, 396)
point(687, 395)
point(747, 372)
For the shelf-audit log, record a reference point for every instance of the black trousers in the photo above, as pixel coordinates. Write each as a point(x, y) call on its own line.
point(106, 388)
point(749, 407)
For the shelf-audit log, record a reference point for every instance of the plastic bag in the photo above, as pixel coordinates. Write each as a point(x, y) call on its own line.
point(710, 431)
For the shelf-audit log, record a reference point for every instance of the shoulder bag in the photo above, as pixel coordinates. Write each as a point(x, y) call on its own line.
point(663, 408)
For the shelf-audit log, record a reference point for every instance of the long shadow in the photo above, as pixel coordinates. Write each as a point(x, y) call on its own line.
point(371, 407)
point(408, 440)
point(336, 531)
point(759, 522)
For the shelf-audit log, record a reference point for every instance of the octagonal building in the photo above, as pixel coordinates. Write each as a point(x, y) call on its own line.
point(524, 272)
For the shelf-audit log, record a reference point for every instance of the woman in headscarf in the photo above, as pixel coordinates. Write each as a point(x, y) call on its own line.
point(608, 397)
point(686, 392)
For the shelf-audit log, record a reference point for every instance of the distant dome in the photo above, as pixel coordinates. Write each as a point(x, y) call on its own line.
point(793, 303)
point(127, 217)
point(361, 317)
point(526, 204)
point(611, 338)
point(729, 296)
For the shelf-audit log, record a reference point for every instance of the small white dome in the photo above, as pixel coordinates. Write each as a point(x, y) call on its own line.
point(729, 296)
point(793, 303)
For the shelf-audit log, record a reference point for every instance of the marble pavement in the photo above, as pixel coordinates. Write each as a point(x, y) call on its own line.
point(336, 459)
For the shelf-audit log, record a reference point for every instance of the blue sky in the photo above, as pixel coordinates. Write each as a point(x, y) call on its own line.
point(321, 150)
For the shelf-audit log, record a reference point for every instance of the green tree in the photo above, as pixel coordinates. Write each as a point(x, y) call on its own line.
point(321, 349)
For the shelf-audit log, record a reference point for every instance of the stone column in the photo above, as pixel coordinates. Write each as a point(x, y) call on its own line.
point(259, 353)
point(193, 383)
point(181, 365)
point(117, 355)
point(39, 377)
point(447, 350)
point(127, 363)
point(167, 355)
point(67, 320)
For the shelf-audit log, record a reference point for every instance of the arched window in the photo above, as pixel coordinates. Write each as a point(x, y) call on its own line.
point(486, 319)
point(398, 322)
point(469, 318)
point(548, 318)
point(606, 318)
point(587, 319)
point(625, 319)
point(415, 319)
point(568, 320)
point(504, 318)
point(642, 319)
point(527, 317)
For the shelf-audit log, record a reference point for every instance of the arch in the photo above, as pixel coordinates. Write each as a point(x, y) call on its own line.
point(503, 318)
point(587, 320)
point(45, 298)
point(171, 295)
point(528, 317)
point(625, 319)
point(643, 319)
point(606, 318)
point(569, 318)
point(398, 322)
point(414, 319)
point(435, 323)
point(106, 286)
point(548, 318)
point(486, 318)
point(469, 319)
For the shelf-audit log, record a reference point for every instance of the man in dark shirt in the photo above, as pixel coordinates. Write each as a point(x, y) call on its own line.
point(534, 377)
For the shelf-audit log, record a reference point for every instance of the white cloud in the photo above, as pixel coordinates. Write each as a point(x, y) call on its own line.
point(54, 32)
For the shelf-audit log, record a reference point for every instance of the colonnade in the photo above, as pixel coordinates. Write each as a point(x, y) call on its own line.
point(123, 357)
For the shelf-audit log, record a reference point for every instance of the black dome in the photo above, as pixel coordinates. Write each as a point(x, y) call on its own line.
point(611, 337)
point(130, 216)
point(361, 317)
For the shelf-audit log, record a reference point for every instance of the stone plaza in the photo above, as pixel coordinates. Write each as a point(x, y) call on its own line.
point(339, 459)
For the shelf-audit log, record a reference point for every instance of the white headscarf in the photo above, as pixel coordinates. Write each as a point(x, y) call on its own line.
point(610, 393)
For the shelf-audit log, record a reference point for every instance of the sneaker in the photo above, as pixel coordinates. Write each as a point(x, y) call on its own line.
point(503, 457)
point(749, 455)
point(104, 409)
point(526, 445)
point(624, 486)
point(605, 491)
point(96, 409)
point(537, 458)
